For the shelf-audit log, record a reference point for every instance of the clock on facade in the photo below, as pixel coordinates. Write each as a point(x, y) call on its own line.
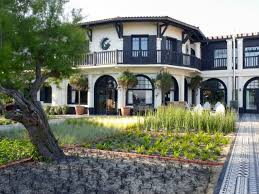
point(105, 43)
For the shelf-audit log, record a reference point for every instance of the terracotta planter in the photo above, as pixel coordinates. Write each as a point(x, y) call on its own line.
point(80, 110)
point(125, 111)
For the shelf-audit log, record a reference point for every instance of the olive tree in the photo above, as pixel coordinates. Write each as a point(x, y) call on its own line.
point(37, 43)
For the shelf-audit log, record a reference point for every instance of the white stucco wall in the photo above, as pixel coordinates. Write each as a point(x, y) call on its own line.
point(174, 32)
point(101, 32)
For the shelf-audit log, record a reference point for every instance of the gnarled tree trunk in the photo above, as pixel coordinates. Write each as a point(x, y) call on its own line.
point(31, 114)
point(41, 135)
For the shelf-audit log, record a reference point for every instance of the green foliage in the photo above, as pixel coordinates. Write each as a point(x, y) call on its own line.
point(56, 110)
point(127, 80)
point(79, 82)
point(37, 33)
point(4, 121)
point(190, 146)
point(195, 82)
point(164, 81)
point(170, 118)
point(11, 150)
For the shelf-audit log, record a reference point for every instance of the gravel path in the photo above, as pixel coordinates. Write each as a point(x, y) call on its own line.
point(105, 173)
point(242, 172)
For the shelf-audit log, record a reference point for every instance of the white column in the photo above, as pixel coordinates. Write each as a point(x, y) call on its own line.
point(198, 96)
point(121, 97)
point(181, 87)
point(55, 95)
point(197, 47)
point(90, 92)
point(158, 43)
point(229, 90)
point(229, 54)
point(240, 53)
point(240, 91)
point(189, 96)
point(158, 97)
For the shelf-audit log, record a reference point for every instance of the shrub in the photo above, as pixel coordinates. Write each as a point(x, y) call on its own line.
point(56, 110)
point(64, 109)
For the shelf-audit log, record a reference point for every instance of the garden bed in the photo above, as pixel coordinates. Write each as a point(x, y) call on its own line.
point(190, 146)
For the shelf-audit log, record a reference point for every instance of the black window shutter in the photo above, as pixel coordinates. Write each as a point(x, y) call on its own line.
point(48, 94)
point(127, 46)
point(152, 49)
point(179, 46)
point(69, 91)
point(42, 94)
point(175, 45)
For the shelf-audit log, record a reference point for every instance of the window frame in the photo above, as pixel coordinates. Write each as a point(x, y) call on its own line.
point(140, 52)
point(141, 89)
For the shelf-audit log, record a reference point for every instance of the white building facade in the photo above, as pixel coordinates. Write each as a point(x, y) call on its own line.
point(146, 46)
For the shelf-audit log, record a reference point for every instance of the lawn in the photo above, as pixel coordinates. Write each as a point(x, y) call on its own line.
point(168, 132)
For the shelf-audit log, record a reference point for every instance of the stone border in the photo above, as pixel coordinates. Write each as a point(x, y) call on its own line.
point(11, 164)
point(135, 155)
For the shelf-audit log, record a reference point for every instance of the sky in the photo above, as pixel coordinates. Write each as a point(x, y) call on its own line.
point(213, 17)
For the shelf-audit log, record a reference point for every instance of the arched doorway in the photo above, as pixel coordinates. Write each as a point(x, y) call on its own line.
point(142, 95)
point(251, 95)
point(173, 94)
point(213, 90)
point(105, 95)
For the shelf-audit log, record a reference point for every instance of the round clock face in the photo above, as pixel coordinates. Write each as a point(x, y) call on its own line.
point(105, 43)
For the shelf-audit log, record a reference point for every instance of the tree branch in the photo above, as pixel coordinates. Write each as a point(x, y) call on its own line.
point(39, 81)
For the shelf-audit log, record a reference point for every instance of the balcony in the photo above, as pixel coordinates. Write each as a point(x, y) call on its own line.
point(140, 57)
point(214, 64)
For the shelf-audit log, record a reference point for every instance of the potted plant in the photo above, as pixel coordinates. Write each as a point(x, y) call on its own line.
point(165, 82)
point(127, 80)
point(80, 83)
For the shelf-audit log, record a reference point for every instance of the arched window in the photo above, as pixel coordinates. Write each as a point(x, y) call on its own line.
point(142, 93)
point(251, 95)
point(213, 91)
point(46, 94)
point(72, 96)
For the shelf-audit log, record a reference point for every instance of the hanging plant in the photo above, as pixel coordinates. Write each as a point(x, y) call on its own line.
point(127, 80)
point(195, 82)
point(165, 82)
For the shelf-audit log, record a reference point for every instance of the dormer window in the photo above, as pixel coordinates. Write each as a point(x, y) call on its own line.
point(139, 46)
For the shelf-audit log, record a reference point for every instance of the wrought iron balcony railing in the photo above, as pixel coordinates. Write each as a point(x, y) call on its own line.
point(140, 57)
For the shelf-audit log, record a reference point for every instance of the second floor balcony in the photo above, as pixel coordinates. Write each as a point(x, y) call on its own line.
point(166, 57)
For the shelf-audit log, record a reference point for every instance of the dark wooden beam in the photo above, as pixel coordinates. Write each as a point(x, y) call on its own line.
point(161, 29)
point(164, 30)
point(90, 34)
point(185, 37)
point(119, 29)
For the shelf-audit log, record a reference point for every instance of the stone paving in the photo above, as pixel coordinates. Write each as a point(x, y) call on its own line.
point(105, 173)
point(242, 172)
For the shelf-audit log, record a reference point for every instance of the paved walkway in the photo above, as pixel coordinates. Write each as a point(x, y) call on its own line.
point(242, 172)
